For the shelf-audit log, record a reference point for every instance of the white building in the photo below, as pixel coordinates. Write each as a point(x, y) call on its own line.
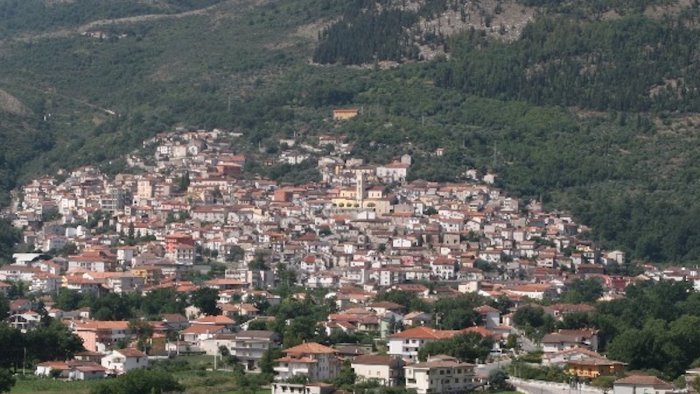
point(441, 374)
point(314, 360)
point(380, 368)
point(122, 361)
point(393, 172)
point(247, 346)
point(406, 344)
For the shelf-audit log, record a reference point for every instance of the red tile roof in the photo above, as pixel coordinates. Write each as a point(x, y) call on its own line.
point(310, 348)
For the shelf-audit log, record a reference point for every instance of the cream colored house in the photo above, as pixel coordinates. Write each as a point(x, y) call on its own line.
point(381, 368)
point(314, 360)
point(440, 374)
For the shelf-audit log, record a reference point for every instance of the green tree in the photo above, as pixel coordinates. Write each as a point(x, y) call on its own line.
point(9, 237)
point(498, 380)
point(604, 382)
point(4, 307)
point(267, 362)
point(12, 344)
point(534, 321)
point(408, 299)
point(7, 381)
point(346, 377)
point(583, 290)
point(139, 381)
point(529, 316)
point(53, 341)
point(258, 263)
point(206, 299)
point(112, 306)
point(67, 299)
point(143, 331)
point(576, 320)
point(234, 253)
point(456, 313)
point(467, 347)
point(68, 249)
point(183, 182)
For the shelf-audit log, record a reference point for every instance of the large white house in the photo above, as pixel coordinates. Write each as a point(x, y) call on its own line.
point(440, 374)
point(247, 346)
point(122, 361)
point(380, 368)
point(314, 360)
point(406, 344)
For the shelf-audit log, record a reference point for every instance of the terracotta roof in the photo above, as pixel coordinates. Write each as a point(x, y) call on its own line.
point(130, 352)
point(372, 359)
point(386, 305)
point(302, 360)
point(485, 309)
point(310, 348)
point(209, 320)
point(441, 364)
point(645, 380)
point(203, 329)
point(54, 364)
point(102, 325)
point(425, 333)
point(91, 368)
point(483, 331)
point(595, 361)
point(174, 317)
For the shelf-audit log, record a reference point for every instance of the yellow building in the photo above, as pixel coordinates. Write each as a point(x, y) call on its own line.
point(345, 113)
point(593, 367)
point(150, 275)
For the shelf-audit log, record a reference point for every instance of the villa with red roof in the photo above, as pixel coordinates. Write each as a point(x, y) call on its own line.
point(100, 335)
point(407, 343)
point(312, 359)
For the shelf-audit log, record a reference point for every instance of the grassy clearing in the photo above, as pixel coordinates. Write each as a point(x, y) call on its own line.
point(50, 386)
point(195, 382)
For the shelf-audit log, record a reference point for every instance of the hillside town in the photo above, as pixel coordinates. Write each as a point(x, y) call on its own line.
point(189, 217)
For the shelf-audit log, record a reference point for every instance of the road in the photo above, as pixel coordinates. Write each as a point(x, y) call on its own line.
point(483, 370)
point(539, 387)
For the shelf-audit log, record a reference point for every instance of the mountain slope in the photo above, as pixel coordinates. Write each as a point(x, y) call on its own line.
point(592, 108)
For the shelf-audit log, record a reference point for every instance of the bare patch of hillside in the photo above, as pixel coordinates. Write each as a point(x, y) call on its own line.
point(10, 104)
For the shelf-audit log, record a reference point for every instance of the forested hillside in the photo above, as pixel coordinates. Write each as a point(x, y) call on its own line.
point(592, 107)
point(18, 16)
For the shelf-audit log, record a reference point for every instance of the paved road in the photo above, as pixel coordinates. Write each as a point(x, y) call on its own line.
point(483, 370)
point(539, 387)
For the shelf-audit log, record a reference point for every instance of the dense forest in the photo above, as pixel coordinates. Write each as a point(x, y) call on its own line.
point(630, 64)
point(367, 38)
